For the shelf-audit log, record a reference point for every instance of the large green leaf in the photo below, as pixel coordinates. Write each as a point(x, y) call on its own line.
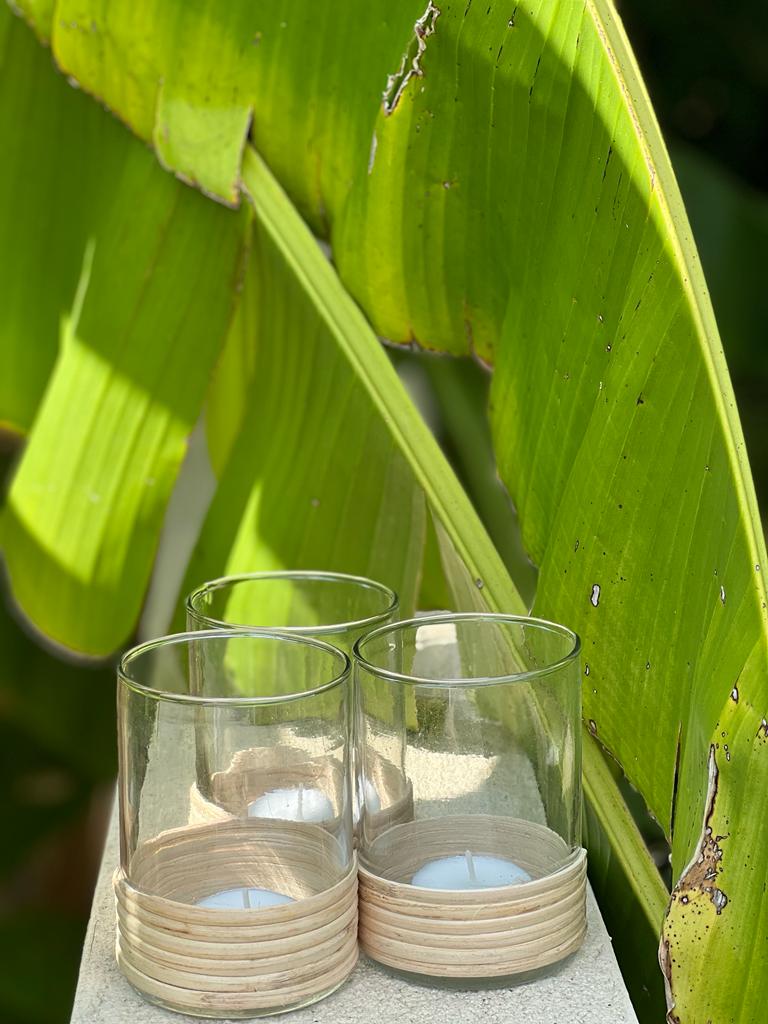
point(559, 248)
point(337, 475)
point(155, 268)
point(51, 197)
point(267, 510)
point(309, 475)
point(511, 196)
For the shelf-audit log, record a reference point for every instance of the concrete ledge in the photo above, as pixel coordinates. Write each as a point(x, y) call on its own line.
point(586, 989)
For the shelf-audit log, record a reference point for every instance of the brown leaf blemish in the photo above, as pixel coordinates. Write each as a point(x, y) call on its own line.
point(410, 65)
point(697, 879)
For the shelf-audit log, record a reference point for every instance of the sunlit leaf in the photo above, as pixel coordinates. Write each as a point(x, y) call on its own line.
point(52, 195)
point(153, 288)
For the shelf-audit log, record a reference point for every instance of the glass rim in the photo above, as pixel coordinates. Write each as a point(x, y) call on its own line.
point(328, 629)
point(189, 636)
point(467, 682)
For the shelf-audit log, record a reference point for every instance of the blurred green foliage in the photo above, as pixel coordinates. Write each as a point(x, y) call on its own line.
point(730, 223)
point(706, 69)
point(57, 760)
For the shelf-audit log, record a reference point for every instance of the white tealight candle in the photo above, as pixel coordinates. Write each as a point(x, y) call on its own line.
point(469, 871)
point(294, 804)
point(245, 898)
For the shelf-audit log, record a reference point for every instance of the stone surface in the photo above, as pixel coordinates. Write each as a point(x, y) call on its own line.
point(586, 989)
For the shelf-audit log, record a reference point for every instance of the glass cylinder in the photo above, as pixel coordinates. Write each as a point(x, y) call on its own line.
point(332, 606)
point(481, 714)
point(251, 910)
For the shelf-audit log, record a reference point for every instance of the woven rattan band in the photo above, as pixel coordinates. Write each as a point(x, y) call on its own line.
point(237, 962)
point(472, 933)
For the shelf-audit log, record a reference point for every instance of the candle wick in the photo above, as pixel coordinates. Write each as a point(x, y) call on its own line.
point(470, 865)
point(247, 899)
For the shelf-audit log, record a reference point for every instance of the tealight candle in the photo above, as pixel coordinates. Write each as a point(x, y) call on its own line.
point(292, 804)
point(469, 871)
point(246, 898)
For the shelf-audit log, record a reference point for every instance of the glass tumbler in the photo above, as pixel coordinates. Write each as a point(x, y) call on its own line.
point(331, 606)
point(251, 911)
point(481, 714)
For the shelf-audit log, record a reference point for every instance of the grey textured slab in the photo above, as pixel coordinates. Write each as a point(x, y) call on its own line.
point(587, 989)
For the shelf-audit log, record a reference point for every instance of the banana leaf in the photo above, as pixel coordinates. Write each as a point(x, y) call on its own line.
point(492, 181)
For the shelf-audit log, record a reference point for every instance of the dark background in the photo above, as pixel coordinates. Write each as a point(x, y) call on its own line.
point(706, 68)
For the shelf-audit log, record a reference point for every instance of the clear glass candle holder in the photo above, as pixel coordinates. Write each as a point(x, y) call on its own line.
point(481, 715)
point(335, 607)
point(251, 910)
point(329, 606)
